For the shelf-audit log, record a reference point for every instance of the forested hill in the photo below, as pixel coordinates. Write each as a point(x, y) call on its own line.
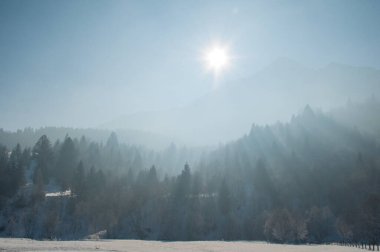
point(310, 180)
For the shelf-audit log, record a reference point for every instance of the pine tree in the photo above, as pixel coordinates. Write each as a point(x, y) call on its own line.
point(66, 164)
point(43, 154)
point(224, 199)
point(79, 185)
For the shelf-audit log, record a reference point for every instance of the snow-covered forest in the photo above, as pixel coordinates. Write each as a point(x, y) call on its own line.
point(315, 179)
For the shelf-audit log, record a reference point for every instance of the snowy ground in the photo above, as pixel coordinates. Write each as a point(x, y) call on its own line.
point(157, 246)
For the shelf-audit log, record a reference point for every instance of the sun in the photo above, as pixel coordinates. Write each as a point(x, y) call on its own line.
point(216, 58)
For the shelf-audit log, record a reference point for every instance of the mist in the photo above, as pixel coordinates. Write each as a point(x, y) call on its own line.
point(190, 121)
point(89, 64)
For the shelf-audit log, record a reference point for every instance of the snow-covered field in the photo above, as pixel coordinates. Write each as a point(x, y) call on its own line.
point(9, 244)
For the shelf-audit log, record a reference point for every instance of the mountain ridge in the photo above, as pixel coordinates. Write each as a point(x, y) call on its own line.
point(224, 114)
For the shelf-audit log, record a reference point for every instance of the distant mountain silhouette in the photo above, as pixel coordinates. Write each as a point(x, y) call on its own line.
point(28, 136)
point(272, 94)
point(362, 116)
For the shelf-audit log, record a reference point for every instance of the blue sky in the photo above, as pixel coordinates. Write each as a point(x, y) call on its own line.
point(81, 63)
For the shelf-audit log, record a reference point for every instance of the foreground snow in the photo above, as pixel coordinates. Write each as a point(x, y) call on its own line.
point(11, 244)
point(66, 193)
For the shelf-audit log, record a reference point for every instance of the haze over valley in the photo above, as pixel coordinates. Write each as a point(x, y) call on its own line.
point(189, 123)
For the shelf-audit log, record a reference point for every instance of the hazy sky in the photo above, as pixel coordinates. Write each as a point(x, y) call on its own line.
point(81, 63)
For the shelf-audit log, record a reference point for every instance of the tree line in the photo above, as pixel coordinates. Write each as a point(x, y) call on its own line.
point(311, 180)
